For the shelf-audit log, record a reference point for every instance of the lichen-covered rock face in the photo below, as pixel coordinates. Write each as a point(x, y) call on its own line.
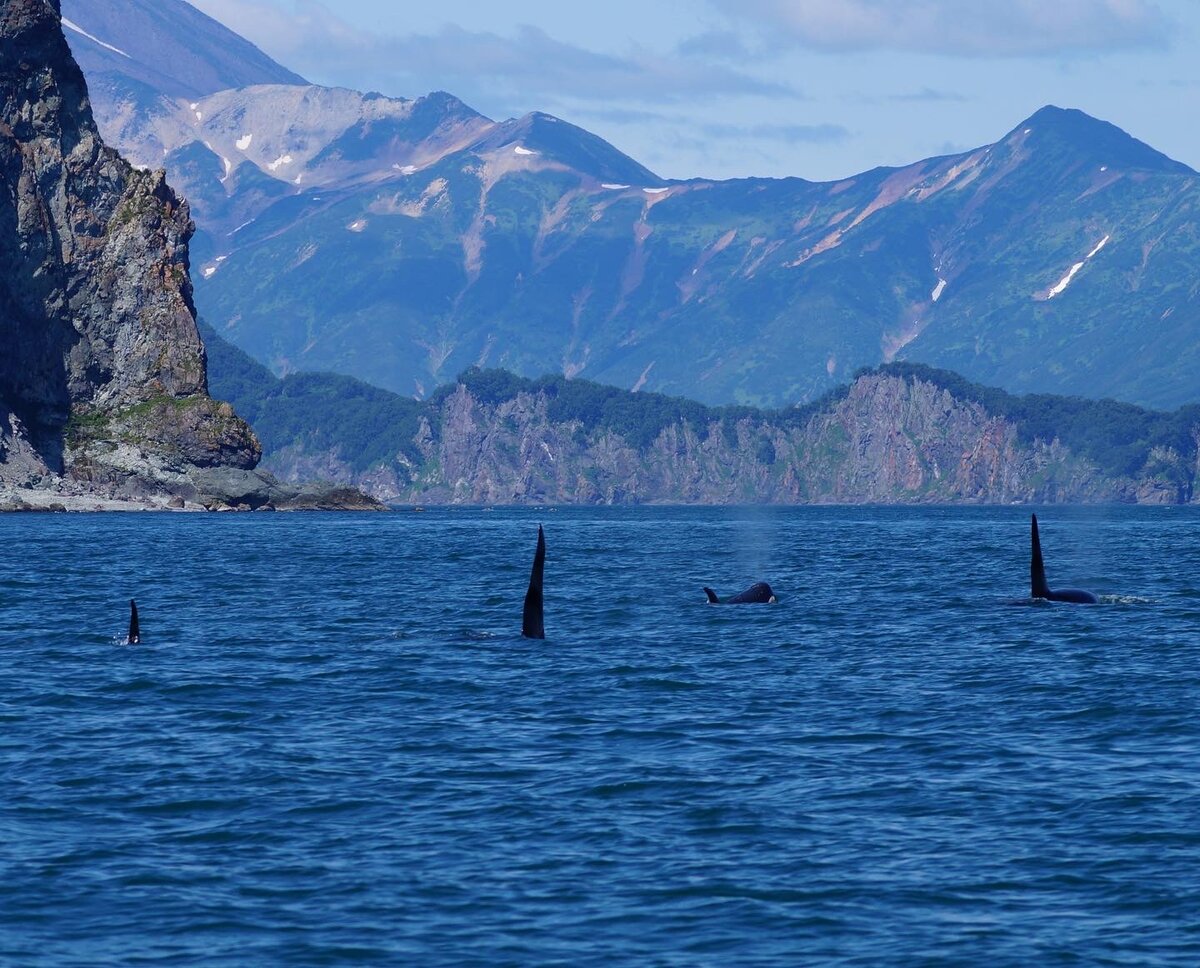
point(102, 373)
point(891, 440)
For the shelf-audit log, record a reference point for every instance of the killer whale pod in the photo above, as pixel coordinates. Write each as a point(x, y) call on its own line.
point(757, 594)
point(1039, 587)
point(532, 620)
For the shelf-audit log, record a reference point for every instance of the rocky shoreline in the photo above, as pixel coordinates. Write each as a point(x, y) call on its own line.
point(260, 492)
point(20, 500)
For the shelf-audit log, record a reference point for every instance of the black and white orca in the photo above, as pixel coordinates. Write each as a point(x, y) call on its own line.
point(135, 630)
point(1039, 588)
point(757, 594)
point(532, 624)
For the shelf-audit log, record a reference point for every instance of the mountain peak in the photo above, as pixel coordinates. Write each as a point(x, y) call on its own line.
point(1090, 137)
point(572, 146)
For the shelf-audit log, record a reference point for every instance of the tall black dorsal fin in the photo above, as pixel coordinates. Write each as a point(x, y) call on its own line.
point(1038, 588)
point(532, 622)
point(135, 631)
point(712, 596)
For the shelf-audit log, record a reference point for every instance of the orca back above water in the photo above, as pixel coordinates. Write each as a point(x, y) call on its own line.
point(757, 594)
point(1040, 588)
point(532, 624)
point(135, 630)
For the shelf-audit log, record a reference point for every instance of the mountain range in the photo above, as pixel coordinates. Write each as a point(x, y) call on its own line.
point(401, 241)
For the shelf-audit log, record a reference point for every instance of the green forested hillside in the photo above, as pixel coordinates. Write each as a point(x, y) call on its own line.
point(315, 411)
point(368, 426)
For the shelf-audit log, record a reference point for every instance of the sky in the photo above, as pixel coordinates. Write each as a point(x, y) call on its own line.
point(818, 89)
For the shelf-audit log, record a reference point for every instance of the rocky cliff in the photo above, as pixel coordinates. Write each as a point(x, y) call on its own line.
point(103, 389)
point(889, 438)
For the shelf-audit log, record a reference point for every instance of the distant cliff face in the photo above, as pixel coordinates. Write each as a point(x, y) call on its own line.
point(102, 375)
point(890, 439)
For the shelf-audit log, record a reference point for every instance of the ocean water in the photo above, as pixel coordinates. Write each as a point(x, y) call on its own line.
point(334, 748)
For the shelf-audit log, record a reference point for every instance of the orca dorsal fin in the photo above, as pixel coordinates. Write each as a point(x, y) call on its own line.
point(532, 620)
point(712, 596)
point(135, 631)
point(1038, 587)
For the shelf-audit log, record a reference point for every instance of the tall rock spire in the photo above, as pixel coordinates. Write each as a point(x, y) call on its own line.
point(102, 370)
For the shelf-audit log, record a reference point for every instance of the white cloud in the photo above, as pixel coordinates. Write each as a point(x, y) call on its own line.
point(1000, 28)
point(527, 65)
point(266, 24)
point(785, 133)
point(532, 61)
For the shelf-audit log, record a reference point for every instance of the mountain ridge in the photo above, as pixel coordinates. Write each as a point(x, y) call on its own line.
point(150, 48)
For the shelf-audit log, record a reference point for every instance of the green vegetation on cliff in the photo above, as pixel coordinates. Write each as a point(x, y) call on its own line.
point(314, 411)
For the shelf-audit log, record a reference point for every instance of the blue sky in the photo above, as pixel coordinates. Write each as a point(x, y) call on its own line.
point(728, 88)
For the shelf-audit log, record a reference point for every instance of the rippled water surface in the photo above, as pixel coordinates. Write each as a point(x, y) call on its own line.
point(333, 748)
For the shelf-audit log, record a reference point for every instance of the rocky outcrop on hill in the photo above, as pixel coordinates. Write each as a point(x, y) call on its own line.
point(890, 439)
point(903, 439)
point(103, 389)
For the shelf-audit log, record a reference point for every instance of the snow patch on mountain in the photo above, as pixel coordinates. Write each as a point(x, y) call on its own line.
point(70, 25)
point(641, 380)
point(1066, 280)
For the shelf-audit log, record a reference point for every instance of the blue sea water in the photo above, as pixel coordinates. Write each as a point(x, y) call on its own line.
point(334, 748)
